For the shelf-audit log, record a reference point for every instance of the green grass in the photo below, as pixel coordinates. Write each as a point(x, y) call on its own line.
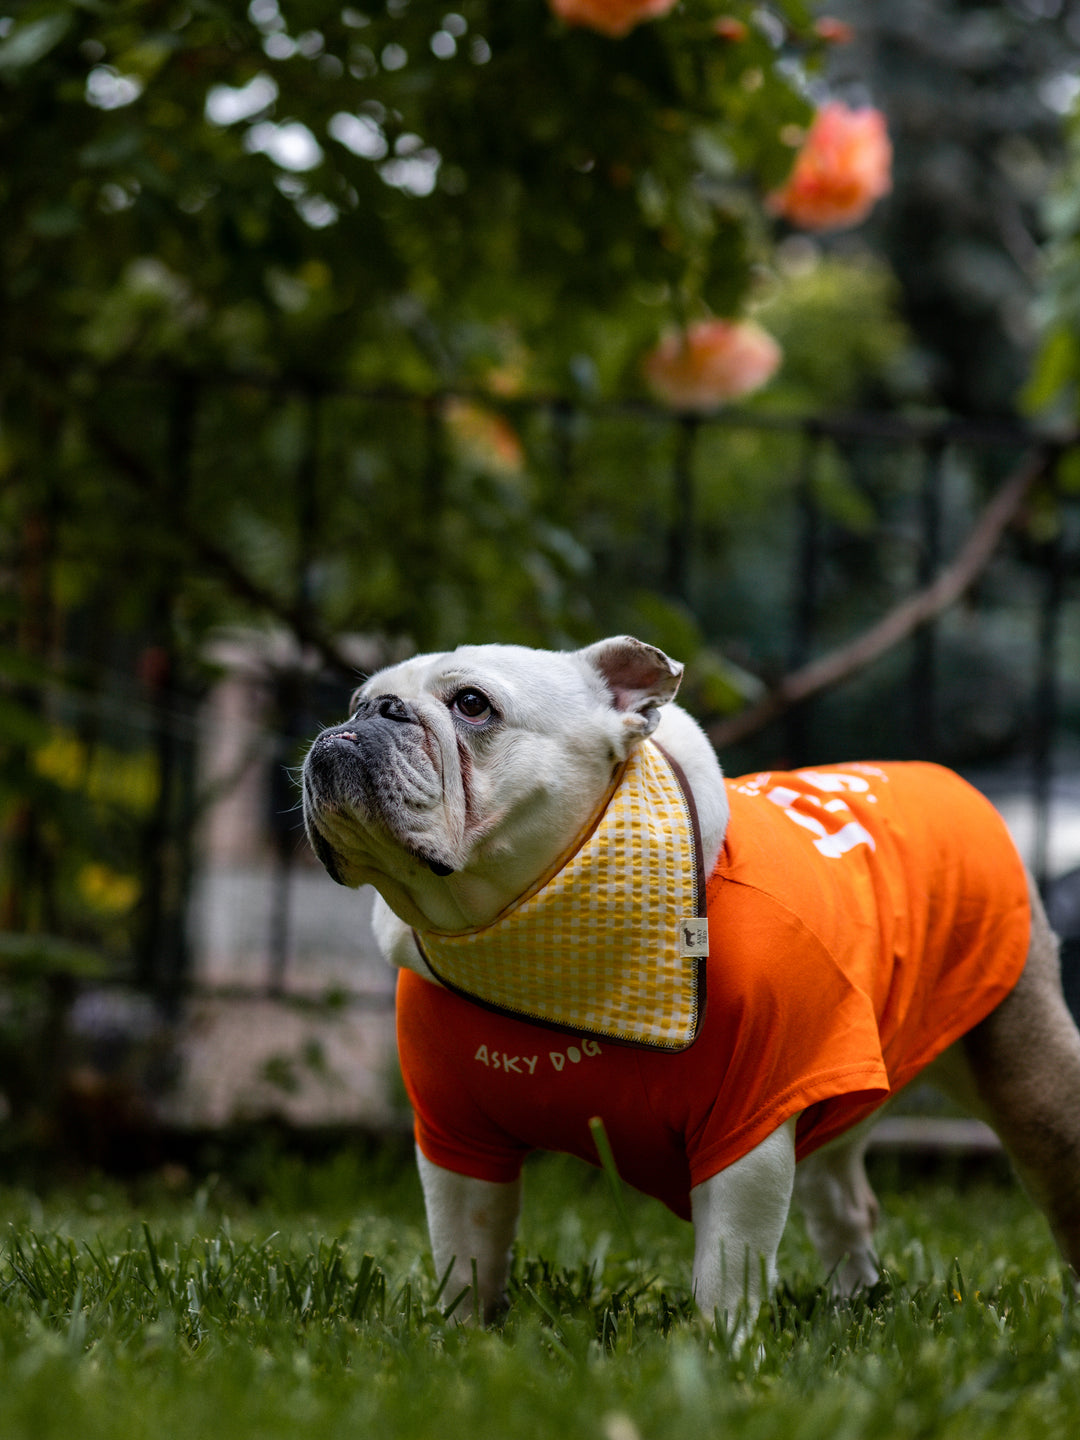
point(309, 1308)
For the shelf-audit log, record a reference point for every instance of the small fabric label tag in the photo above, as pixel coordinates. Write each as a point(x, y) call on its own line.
point(694, 936)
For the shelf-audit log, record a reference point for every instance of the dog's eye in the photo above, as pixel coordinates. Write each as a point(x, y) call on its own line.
point(472, 705)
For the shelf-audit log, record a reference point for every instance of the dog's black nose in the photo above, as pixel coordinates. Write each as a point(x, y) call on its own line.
point(382, 707)
point(392, 707)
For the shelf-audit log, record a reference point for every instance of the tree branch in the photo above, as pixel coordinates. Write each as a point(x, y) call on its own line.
point(900, 622)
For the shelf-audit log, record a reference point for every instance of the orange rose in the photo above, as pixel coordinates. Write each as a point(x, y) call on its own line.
point(611, 17)
point(834, 32)
point(728, 28)
point(483, 438)
point(711, 362)
point(844, 166)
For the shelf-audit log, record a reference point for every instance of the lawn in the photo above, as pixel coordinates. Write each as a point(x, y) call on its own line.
point(296, 1298)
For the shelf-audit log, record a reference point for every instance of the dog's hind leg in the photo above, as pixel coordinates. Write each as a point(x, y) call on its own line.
point(1024, 1065)
point(840, 1209)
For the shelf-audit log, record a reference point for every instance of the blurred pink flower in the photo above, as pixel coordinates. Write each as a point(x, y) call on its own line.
point(710, 362)
point(843, 168)
point(610, 17)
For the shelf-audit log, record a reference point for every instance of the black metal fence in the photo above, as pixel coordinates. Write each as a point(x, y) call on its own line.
point(754, 546)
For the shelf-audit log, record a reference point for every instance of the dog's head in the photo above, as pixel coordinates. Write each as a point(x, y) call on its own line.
point(460, 777)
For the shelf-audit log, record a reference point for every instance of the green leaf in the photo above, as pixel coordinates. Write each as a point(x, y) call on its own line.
point(19, 724)
point(51, 955)
point(32, 41)
point(1057, 365)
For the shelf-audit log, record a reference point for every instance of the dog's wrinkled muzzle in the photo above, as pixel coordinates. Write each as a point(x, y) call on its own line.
point(377, 765)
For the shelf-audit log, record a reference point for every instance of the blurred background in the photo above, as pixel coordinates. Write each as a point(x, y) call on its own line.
point(330, 333)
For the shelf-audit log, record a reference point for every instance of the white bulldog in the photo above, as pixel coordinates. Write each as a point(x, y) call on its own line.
point(466, 786)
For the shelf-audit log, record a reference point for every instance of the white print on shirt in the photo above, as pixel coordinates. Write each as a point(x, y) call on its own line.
point(526, 1064)
point(835, 829)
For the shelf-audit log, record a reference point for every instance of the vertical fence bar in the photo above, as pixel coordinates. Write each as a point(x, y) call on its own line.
point(563, 419)
point(291, 704)
point(283, 835)
point(805, 597)
point(426, 527)
point(922, 681)
point(162, 946)
point(1047, 690)
point(678, 569)
point(27, 556)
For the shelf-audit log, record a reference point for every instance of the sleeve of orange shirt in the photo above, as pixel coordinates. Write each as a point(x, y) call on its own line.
point(787, 1028)
point(909, 880)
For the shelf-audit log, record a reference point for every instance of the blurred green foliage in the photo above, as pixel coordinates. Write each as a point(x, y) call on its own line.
point(977, 97)
point(397, 193)
point(236, 242)
point(1054, 387)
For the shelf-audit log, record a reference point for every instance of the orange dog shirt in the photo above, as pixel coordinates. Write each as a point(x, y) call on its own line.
point(861, 918)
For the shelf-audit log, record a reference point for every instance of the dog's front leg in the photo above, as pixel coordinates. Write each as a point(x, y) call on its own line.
point(471, 1223)
point(739, 1217)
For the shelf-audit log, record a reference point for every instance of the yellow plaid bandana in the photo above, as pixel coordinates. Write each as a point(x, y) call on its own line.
point(614, 942)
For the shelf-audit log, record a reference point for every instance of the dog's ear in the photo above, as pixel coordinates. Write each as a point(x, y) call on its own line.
point(640, 677)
